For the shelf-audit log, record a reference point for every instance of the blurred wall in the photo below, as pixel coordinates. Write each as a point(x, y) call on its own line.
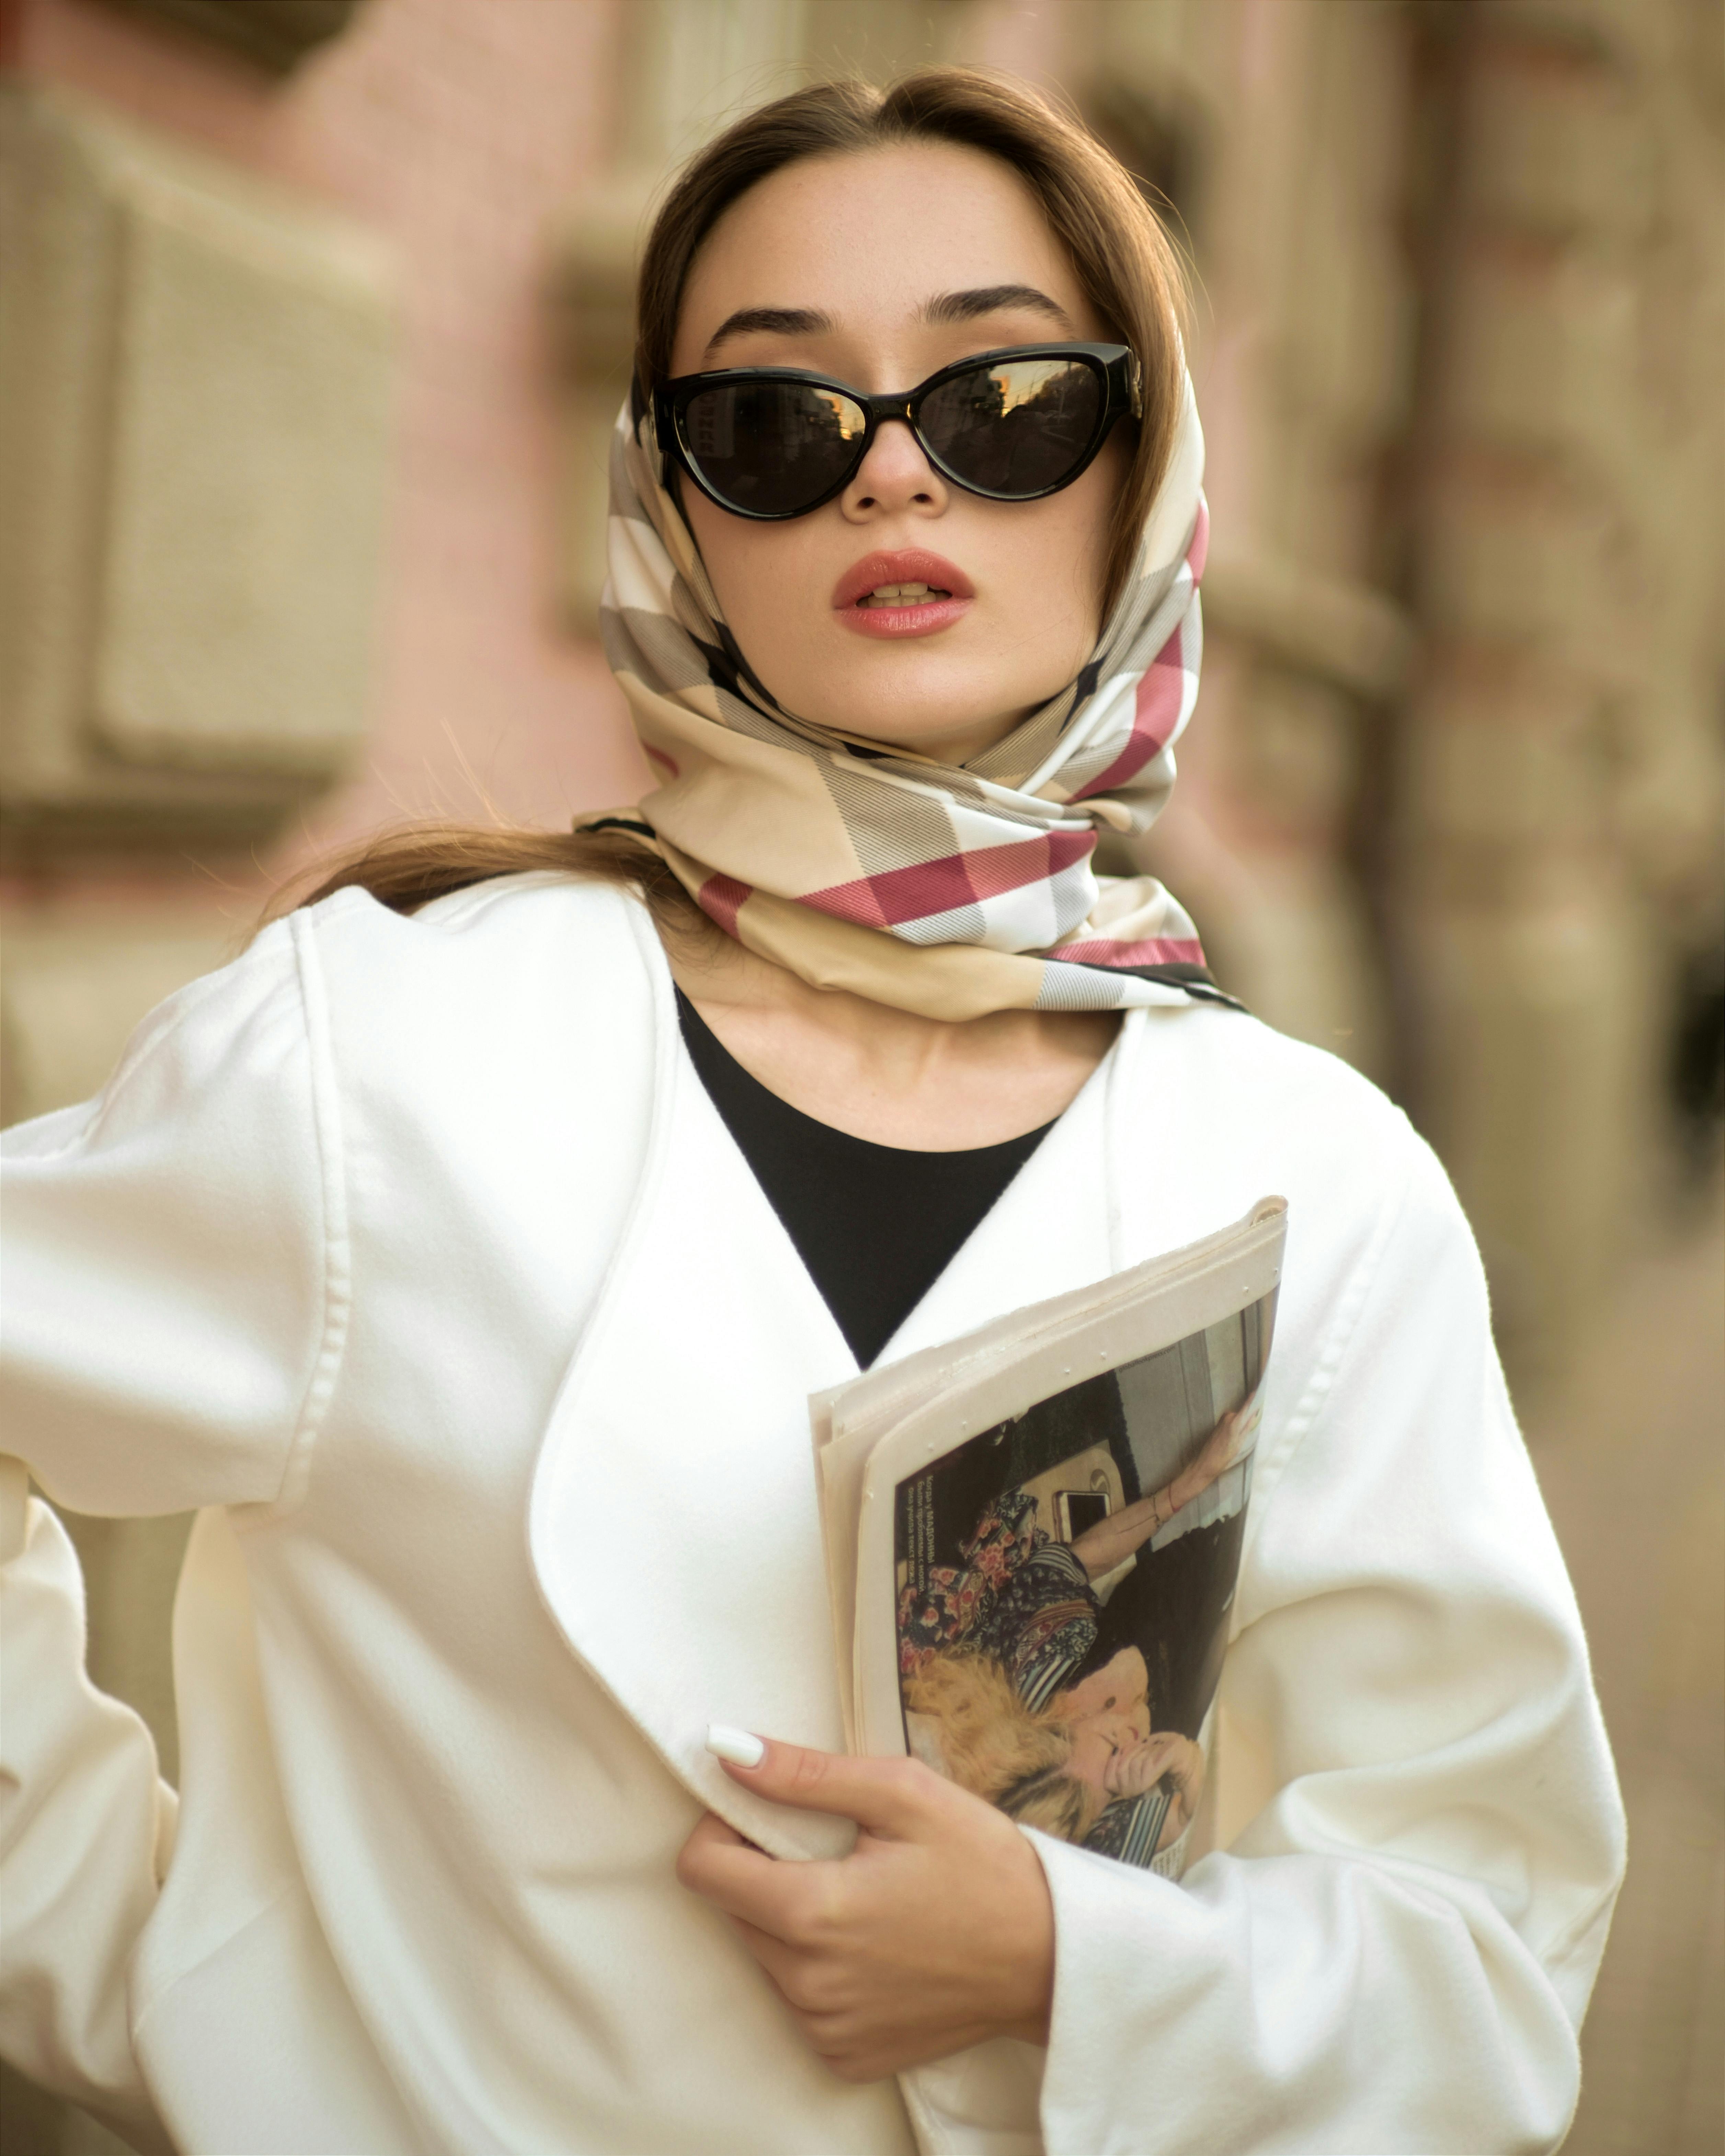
point(1556, 799)
point(1450, 804)
point(444, 136)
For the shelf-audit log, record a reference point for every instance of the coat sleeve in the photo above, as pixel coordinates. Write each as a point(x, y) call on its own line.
point(1396, 1954)
point(86, 1827)
point(171, 1310)
point(174, 1265)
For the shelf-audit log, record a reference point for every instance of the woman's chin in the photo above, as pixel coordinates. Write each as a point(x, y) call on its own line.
point(921, 697)
point(932, 734)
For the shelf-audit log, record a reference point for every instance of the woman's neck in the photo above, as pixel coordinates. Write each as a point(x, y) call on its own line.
point(891, 1075)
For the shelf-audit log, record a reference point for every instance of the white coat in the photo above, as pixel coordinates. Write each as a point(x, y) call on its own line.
point(413, 1253)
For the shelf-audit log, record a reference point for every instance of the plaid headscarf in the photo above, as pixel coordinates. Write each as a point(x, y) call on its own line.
point(949, 890)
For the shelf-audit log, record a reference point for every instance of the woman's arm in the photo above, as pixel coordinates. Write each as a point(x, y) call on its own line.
point(173, 1262)
point(1111, 1541)
point(1396, 1954)
point(86, 1827)
point(174, 1259)
point(936, 1932)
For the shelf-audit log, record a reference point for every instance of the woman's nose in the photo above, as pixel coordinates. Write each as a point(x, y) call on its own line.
point(894, 475)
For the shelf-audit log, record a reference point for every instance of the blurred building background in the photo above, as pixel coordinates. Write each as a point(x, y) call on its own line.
point(313, 314)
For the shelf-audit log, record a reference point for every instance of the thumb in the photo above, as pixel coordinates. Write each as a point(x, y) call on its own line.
point(886, 1796)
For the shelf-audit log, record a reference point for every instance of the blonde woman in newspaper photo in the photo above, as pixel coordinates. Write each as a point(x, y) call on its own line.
point(467, 1252)
point(1005, 1690)
point(1089, 1766)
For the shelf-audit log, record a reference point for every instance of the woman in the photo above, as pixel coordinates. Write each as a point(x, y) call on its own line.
point(1088, 1767)
point(993, 1657)
point(413, 1250)
point(1150, 1779)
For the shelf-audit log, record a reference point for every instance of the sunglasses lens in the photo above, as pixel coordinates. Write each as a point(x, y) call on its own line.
point(772, 449)
point(1016, 427)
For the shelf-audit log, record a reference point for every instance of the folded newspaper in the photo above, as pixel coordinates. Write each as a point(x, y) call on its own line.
point(1033, 1538)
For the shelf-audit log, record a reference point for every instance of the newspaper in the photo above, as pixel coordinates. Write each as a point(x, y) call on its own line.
point(1033, 1539)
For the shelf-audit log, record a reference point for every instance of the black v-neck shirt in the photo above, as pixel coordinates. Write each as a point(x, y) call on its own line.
point(876, 1225)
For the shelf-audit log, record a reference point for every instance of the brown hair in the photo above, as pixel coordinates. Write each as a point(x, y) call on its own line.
point(1123, 259)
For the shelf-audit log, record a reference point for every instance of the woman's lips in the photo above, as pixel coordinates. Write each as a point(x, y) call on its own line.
point(897, 613)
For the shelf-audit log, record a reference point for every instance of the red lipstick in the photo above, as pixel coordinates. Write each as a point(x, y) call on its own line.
point(908, 566)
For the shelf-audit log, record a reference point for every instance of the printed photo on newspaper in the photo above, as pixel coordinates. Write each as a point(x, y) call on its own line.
point(1058, 1582)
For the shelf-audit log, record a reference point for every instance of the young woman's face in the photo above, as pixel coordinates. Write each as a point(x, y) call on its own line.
point(1108, 1716)
point(880, 269)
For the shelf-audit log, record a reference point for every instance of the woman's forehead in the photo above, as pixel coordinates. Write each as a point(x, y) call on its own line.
point(877, 242)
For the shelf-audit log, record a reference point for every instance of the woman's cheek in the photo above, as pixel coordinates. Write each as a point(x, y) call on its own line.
point(1046, 588)
point(766, 588)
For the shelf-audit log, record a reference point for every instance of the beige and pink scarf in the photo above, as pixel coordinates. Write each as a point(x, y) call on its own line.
point(949, 890)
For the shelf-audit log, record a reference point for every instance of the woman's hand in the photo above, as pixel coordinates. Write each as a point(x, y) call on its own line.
point(1134, 1773)
point(1111, 1541)
point(1164, 1751)
point(936, 1932)
point(1216, 1457)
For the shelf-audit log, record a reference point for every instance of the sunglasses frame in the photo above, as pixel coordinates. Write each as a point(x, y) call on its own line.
point(1115, 364)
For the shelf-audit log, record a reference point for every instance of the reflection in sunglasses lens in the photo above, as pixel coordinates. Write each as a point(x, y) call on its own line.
point(1016, 427)
point(772, 447)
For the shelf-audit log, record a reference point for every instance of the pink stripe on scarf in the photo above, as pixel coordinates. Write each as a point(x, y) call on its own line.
point(1153, 951)
point(722, 899)
point(1157, 708)
point(1197, 553)
point(1156, 713)
point(954, 880)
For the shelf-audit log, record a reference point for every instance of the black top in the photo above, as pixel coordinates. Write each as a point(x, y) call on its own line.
point(876, 1225)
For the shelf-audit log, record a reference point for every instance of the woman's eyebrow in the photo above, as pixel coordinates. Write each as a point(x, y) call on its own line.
point(781, 321)
point(945, 307)
point(991, 298)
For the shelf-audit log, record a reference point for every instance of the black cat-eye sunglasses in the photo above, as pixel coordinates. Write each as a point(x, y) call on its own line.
point(1012, 425)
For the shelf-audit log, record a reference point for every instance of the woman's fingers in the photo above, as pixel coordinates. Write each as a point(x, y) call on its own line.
point(788, 1967)
point(798, 1903)
point(1187, 1764)
point(712, 1831)
point(1164, 1751)
point(1131, 1774)
point(889, 1797)
point(860, 2037)
point(1218, 1452)
point(935, 1931)
point(717, 1863)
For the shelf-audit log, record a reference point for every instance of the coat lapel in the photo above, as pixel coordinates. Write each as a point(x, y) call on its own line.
point(673, 1526)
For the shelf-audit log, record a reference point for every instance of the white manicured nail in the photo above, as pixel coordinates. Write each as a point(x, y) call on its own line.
point(735, 1745)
